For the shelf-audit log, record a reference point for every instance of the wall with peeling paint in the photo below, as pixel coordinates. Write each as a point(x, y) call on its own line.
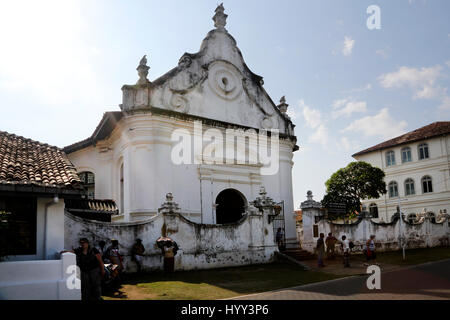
point(202, 246)
point(426, 231)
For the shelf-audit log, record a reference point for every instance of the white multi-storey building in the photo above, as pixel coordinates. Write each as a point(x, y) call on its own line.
point(417, 168)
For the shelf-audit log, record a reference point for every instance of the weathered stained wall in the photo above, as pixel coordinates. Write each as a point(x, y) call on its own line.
point(426, 232)
point(249, 241)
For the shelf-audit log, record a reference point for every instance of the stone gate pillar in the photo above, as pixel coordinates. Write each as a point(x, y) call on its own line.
point(311, 214)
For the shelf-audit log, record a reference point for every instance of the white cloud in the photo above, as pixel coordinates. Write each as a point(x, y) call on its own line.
point(384, 53)
point(339, 103)
point(46, 54)
point(321, 136)
point(367, 87)
point(445, 103)
point(314, 120)
point(346, 108)
point(380, 125)
point(313, 117)
point(430, 92)
point(349, 43)
point(447, 63)
point(422, 81)
point(345, 143)
point(293, 114)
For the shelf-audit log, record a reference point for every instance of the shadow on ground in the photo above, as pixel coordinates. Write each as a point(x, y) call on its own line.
point(214, 283)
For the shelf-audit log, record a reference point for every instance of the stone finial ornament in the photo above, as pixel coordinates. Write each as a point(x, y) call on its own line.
point(283, 105)
point(143, 71)
point(310, 203)
point(220, 18)
point(262, 191)
point(169, 206)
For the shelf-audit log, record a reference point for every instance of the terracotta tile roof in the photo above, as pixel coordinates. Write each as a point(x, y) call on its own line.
point(92, 209)
point(27, 162)
point(430, 131)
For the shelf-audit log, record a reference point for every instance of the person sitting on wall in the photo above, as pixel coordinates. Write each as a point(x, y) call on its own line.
point(137, 252)
point(113, 254)
point(92, 270)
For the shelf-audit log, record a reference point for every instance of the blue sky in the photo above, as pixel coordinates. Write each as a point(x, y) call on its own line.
point(62, 64)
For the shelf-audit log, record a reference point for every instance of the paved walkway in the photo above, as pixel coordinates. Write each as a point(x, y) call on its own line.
point(357, 266)
point(424, 282)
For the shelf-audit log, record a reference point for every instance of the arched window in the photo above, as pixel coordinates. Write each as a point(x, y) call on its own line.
point(406, 154)
point(121, 190)
point(409, 187)
point(427, 184)
point(88, 181)
point(390, 158)
point(423, 151)
point(393, 189)
point(230, 205)
point(373, 210)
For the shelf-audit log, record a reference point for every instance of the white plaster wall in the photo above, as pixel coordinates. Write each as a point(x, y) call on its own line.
point(38, 280)
point(144, 143)
point(250, 241)
point(426, 234)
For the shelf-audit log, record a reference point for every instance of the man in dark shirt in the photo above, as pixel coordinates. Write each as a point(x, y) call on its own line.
point(92, 269)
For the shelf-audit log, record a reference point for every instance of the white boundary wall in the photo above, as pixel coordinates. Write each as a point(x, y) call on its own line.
point(38, 280)
point(202, 246)
point(427, 231)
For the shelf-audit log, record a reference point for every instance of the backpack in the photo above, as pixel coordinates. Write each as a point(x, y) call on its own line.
point(351, 245)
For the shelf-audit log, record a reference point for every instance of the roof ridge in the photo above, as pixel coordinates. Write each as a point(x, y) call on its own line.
point(436, 128)
point(29, 140)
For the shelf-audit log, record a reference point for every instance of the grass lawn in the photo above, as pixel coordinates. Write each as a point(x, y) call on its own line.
point(215, 283)
point(414, 256)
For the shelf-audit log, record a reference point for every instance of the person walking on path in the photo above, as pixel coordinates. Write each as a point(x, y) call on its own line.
point(370, 250)
point(346, 251)
point(320, 248)
point(330, 242)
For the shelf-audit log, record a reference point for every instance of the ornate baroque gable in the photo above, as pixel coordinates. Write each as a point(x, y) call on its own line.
point(214, 83)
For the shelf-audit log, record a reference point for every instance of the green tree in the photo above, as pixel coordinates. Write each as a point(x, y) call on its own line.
point(358, 180)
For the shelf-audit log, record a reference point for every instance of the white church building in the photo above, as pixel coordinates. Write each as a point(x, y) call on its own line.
point(202, 154)
point(206, 131)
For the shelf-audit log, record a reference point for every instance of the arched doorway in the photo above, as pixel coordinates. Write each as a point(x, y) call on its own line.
point(230, 206)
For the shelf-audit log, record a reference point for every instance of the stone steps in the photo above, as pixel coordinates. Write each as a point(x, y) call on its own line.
point(299, 254)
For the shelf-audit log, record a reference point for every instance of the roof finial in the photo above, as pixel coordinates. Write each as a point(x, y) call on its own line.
point(283, 105)
point(143, 71)
point(220, 18)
